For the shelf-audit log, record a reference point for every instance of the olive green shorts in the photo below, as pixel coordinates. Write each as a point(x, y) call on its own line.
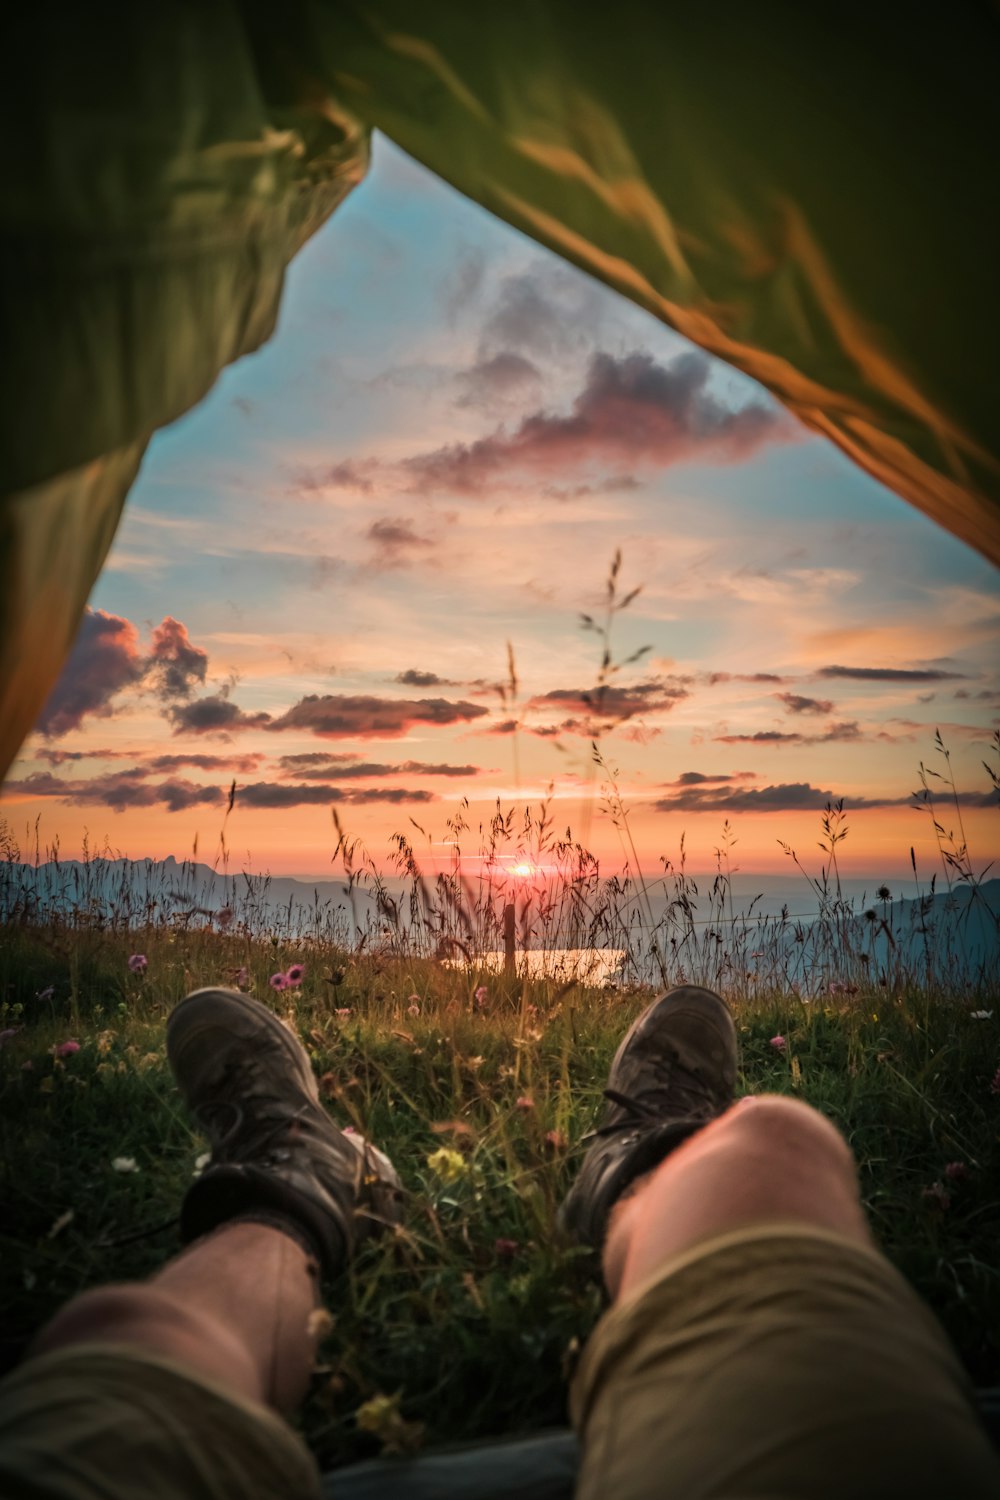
point(779, 1362)
point(775, 1362)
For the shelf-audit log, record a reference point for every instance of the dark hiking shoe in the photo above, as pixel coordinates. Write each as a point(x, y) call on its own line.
point(275, 1151)
point(675, 1071)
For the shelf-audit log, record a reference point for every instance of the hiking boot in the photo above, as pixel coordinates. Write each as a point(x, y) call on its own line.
point(674, 1072)
point(276, 1154)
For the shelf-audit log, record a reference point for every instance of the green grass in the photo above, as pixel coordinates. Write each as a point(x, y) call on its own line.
point(464, 1337)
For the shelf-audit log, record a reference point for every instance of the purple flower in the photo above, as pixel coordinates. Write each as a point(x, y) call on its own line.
point(7, 1033)
point(295, 973)
point(137, 963)
point(956, 1170)
point(278, 981)
point(778, 1043)
point(47, 993)
point(65, 1049)
point(481, 996)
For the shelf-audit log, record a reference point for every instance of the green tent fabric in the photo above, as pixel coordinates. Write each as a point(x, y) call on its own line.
point(806, 192)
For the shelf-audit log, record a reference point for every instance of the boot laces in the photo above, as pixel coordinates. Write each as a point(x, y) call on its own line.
point(675, 1091)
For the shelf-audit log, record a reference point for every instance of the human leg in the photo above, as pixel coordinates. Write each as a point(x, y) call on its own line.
point(163, 1387)
point(758, 1343)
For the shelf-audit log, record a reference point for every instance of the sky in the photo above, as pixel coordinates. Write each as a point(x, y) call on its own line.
point(354, 578)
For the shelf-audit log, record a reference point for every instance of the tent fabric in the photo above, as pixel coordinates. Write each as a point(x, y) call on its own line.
point(806, 193)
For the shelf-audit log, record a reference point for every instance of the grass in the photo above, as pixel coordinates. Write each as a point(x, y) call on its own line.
point(467, 1322)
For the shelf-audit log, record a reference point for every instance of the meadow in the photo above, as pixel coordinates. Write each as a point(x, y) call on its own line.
point(480, 1085)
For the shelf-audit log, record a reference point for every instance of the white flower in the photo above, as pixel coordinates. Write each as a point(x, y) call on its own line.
point(125, 1164)
point(201, 1162)
point(980, 1015)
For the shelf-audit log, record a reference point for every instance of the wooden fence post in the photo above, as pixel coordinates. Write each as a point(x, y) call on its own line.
point(508, 939)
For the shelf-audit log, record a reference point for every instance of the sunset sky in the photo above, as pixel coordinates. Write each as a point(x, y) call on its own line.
point(439, 452)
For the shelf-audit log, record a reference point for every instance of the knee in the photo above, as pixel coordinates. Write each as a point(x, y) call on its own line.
point(106, 1314)
point(773, 1124)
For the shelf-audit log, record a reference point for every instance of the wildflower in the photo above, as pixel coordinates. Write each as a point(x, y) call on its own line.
point(344, 1011)
point(778, 1043)
point(65, 1049)
point(980, 1015)
point(413, 1010)
point(201, 1162)
point(937, 1195)
point(505, 1249)
point(138, 963)
point(6, 1035)
point(447, 1164)
point(125, 1164)
point(295, 974)
point(241, 977)
point(278, 982)
point(524, 1104)
point(555, 1140)
point(956, 1170)
point(481, 996)
point(47, 993)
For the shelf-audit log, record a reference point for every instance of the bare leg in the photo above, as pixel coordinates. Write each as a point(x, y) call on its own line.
point(766, 1160)
point(234, 1307)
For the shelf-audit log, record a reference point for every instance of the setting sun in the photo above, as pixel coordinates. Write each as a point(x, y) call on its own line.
point(525, 870)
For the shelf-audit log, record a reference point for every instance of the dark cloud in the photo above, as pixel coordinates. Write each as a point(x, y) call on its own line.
point(346, 475)
point(175, 663)
point(325, 768)
point(699, 778)
point(795, 796)
point(631, 410)
point(60, 757)
point(413, 677)
point(497, 379)
point(233, 765)
point(716, 677)
point(845, 732)
point(891, 674)
point(216, 714)
point(120, 790)
point(269, 794)
point(343, 717)
point(796, 704)
point(616, 703)
point(395, 542)
point(524, 318)
point(106, 657)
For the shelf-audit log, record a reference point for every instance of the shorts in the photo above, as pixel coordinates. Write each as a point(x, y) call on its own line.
point(780, 1362)
point(775, 1362)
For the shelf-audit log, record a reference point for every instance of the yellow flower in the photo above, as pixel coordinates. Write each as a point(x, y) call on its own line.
point(448, 1165)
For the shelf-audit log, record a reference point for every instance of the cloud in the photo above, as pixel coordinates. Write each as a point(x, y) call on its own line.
point(630, 411)
point(616, 703)
point(497, 380)
point(796, 704)
point(106, 657)
point(345, 475)
point(337, 716)
point(60, 757)
point(714, 678)
point(413, 677)
point(269, 794)
point(524, 318)
point(794, 796)
point(844, 732)
point(700, 778)
point(119, 790)
point(395, 542)
point(175, 663)
point(327, 769)
point(232, 765)
point(216, 714)
point(891, 674)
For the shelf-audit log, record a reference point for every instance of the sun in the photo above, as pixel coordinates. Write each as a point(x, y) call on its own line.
point(523, 870)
